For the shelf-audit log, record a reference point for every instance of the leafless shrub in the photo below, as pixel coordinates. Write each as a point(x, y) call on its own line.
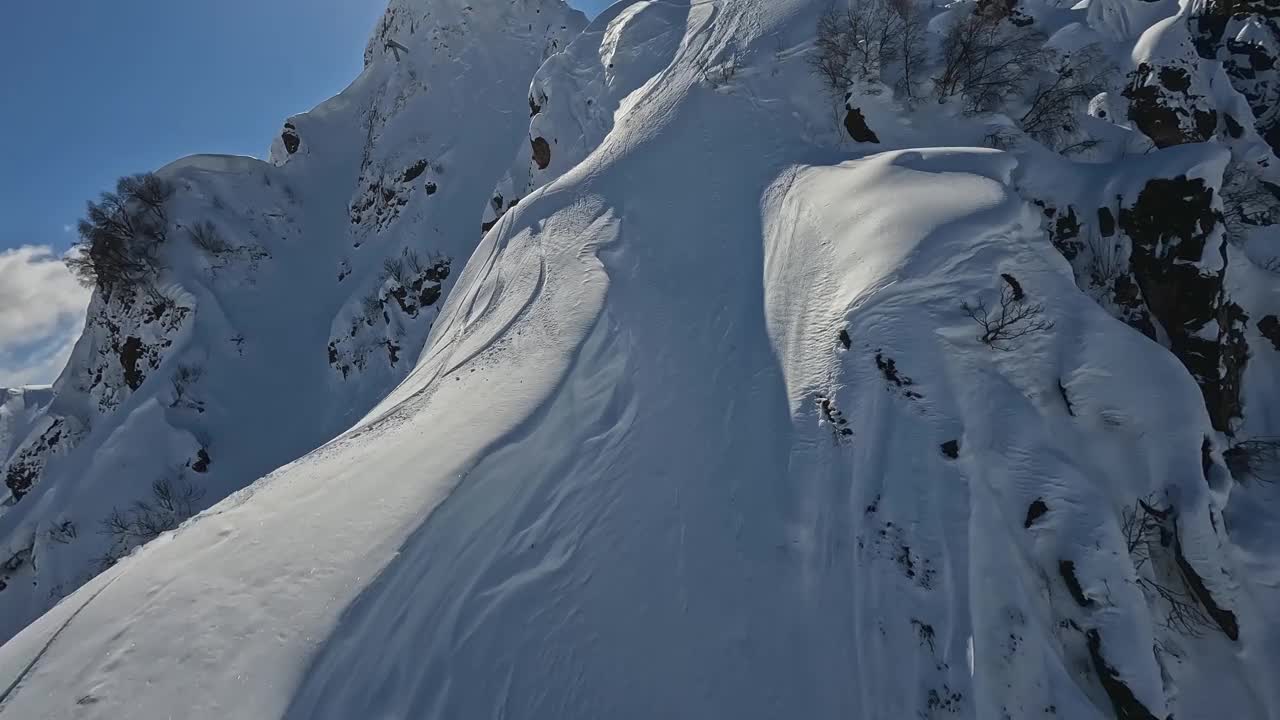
point(412, 261)
point(171, 502)
point(205, 235)
point(184, 377)
point(1000, 138)
point(371, 308)
point(862, 40)
point(985, 60)
point(63, 533)
point(120, 235)
point(724, 73)
point(1015, 318)
point(1258, 459)
point(394, 267)
point(1150, 535)
point(1052, 117)
point(1247, 201)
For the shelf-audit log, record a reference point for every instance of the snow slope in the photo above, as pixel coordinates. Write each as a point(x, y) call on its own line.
point(705, 430)
point(333, 261)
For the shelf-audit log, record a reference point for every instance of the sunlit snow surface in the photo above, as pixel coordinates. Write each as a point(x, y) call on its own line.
point(617, 484)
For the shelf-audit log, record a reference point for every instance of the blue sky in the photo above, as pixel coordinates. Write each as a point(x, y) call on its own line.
point(94, 90)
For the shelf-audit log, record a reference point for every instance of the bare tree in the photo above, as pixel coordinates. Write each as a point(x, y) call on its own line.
point(1247, 201)
point(205, 235)
point(184, 377)
point(1150, 535)
point(121, 233)
point(868, 36)
point(1014, 319)
point(171, 503)
point(1052, 117)
point(985, 60)
point(1258, 459)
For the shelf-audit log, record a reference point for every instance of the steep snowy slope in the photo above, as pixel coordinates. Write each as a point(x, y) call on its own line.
point(19, 408)
point(294, 294)
point(721, 420)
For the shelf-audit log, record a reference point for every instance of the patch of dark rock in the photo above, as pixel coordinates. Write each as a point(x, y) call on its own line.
point(1207, 31)
point(431, 188)
point(1126, 704)
point(291, 139)
point(1175, 79)
point(1166, 119)
point(393, 352)
point(845, 340)
point(1170, 225)
point(1064, 232)
point(1066, 399)
point(951, 449)
point(541, 152)
point(130, 354)
point(534, 108)
point(1035, 511)
point(889, 368)
point(856, 124)
point(1067, 569)
point(947, 700)
point(201, 465)
point(1106, 222)
point(1269, 326)
point(414, 171)
point(1014, 285)
point(1233, 128)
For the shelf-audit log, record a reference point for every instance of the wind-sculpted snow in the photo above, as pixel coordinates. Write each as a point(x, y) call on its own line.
point(729, 416)
point(293, 296)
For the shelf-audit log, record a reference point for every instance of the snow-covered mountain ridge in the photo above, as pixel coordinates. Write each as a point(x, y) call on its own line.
point(749, 402)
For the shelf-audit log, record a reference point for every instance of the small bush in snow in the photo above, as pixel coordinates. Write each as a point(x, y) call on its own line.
point(1258, 459)
point(205, 235)
point(985, 60)
point(121, 233)
point(1150, 535)
point(1052, 116)
point(1015, 318)
point(859, 42)
point(184, 377)
point(394, 267)
point(171, 503)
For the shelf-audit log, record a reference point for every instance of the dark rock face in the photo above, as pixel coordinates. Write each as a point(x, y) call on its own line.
point(1035, 511)
point(1164, 106)
point(1126, 704)
point(291, 139)
point(1067, 569)
point(1269, 326)
point(1170, 226)
point(1245, 36)
point(414, 171)
point(541, 152)
point(402, 298)
point(1065, 232)
point(856, 125)
point(27, 464)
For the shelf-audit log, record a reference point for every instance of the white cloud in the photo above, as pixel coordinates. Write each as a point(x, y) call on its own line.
point(41, 314)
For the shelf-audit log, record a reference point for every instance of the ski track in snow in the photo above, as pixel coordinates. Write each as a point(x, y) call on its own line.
point(694, 437)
